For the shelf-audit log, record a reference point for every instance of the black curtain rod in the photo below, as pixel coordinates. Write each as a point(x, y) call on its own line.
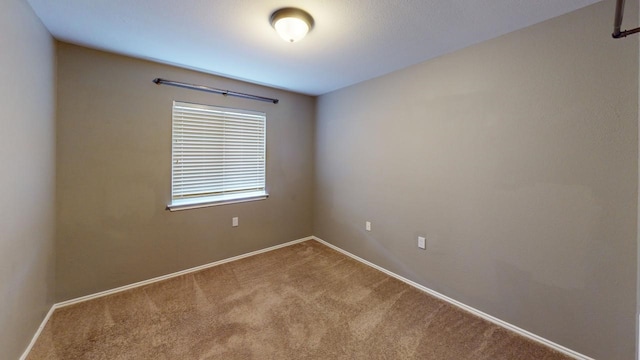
point(213, 90)
point(617, 34)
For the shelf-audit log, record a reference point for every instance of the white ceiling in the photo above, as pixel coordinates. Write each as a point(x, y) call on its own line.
point(352, 41)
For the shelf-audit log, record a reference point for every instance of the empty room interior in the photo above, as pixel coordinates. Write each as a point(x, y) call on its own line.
point(410, 180)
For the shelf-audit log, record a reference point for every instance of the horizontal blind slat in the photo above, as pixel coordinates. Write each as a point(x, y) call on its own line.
point(219, 189)
point(202, 178)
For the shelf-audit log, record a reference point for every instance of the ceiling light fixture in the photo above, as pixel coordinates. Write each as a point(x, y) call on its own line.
point(291, 24)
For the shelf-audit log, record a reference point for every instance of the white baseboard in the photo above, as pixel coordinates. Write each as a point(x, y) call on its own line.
point(474, 311)
point(147, 282)
point(176, 274)
point(436, 294)
point(38, 332)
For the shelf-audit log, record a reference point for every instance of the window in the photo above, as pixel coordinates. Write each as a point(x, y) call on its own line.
point(218, 156)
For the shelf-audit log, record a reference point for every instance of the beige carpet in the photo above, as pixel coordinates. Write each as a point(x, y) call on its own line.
point(304, 301)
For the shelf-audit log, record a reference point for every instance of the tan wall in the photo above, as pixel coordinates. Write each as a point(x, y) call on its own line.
point(637, 39)
point(27, 155)
point(517, 159)
point(113, 182)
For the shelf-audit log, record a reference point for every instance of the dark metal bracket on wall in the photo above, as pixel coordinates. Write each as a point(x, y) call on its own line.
point(213, 90)
point(617, 34)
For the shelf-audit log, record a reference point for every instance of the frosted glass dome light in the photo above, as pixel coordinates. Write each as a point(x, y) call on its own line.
point(291, 24)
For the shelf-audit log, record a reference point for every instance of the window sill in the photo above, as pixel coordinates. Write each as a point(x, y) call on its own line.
point(187, 204)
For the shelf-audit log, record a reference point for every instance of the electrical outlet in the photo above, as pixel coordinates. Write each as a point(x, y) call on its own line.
point(422, 244)
point(234, 221)
point(367, 226)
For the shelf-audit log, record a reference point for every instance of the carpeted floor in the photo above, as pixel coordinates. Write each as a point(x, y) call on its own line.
point(304, 301)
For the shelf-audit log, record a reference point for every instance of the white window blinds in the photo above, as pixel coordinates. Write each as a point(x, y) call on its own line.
point(218, 155)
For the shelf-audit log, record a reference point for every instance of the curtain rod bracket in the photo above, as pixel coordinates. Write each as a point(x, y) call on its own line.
point(617, 23)
point(625, 33)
